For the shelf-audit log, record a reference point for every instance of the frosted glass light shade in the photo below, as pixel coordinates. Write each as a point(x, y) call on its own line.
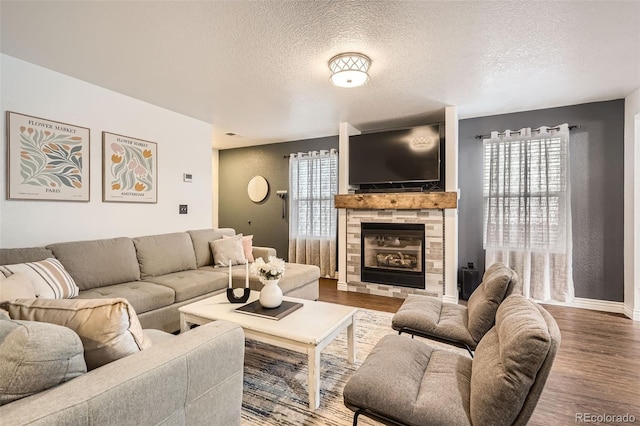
point(349, 69)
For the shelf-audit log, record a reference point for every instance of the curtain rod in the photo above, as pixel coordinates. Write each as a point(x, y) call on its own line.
point(575, 126)
point(332, 149)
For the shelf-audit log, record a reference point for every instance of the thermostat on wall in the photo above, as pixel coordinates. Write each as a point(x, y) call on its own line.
point(187, 177)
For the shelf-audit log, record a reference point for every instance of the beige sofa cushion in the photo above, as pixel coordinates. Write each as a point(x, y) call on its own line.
point(295, 275)
point(16, 286)
point(263, 252)
point(96, 263)
point(507, 361)
point(109, 328)
point(189, 284)
point(49, 278)
point(164, 254)
point(35, 356)
point(484, 301)
point(142, 295)
point(200, 239)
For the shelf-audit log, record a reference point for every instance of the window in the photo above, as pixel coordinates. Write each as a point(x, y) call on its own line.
point(525, 186)
point(527, 213)
point(313, 184)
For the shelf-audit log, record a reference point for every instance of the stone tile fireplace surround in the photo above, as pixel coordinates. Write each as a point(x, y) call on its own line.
point(436, 210)
point(433, 219)
point(441, 279)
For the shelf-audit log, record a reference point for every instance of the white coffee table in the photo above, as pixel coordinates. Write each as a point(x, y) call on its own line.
point(307, 330)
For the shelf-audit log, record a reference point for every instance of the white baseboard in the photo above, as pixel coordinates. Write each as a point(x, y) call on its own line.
point(592, 304)
point(599, 305)
point(342, 286)
point(450, 299)
point(634, 314)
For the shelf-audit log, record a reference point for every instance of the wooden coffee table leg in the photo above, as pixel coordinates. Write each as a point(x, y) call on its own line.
point(314, 377)
point(184, 325)
point(351, 340)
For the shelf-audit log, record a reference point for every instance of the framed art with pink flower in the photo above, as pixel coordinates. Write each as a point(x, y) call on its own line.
point(129, 169)
point(46, 160)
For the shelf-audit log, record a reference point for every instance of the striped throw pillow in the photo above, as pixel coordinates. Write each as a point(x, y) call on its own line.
point(49, 278)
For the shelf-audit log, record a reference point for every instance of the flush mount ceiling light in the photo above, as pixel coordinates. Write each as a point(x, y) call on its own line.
point(349, 69)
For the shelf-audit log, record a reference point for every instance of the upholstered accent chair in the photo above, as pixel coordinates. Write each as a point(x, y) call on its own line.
point(458, 325)
point(409, 382)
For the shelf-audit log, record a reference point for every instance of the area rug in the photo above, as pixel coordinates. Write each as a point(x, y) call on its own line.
point(275, 380)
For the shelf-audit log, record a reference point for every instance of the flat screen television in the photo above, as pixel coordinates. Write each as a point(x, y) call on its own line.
point(396, 156)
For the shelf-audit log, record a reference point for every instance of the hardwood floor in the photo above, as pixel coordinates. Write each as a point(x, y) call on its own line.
point(329, 293)
point(596, 371)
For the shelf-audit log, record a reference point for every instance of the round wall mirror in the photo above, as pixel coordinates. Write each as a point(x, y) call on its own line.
point(257, 189)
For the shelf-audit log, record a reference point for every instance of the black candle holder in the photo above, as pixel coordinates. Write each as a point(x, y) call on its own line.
point(234, 299)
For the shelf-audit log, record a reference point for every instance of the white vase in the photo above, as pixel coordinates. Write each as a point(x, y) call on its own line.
point(271, 294)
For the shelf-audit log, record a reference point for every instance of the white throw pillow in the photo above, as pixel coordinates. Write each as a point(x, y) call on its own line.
point(227, 250)
point(16, 286)
point(247, 246)
point(48, 277)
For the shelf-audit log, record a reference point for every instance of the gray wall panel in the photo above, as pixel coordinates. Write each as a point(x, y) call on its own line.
point(596, 178)
point(237, 167)
point(597, 185)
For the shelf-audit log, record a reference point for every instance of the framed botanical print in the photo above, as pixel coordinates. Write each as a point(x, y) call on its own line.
point(129, 169)
point(46, 159)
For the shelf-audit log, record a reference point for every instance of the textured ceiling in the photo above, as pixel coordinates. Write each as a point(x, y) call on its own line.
point(259, 69)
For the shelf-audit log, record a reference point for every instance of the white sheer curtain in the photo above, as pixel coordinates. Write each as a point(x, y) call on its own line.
point(527, 209)
point(313, 183)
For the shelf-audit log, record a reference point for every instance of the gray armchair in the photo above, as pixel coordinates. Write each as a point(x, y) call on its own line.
point(407, 382)
point(462, 326)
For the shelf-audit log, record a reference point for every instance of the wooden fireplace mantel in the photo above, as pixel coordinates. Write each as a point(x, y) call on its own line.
point(398, 201)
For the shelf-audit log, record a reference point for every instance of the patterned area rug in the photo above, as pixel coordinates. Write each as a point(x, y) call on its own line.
point(275, 380)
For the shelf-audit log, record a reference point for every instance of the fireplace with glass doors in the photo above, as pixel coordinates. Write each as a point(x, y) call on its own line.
point(393, 253)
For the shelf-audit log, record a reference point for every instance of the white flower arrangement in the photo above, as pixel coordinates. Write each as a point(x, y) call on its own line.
point(273, 270)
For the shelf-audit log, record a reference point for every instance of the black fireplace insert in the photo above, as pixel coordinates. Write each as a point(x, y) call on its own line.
point(393, 253)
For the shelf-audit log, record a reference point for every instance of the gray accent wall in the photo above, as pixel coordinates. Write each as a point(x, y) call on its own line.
point(597, 197)
point(597, 190)
point(262, 220)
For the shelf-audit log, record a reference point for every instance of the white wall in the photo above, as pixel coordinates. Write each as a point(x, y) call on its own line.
point(184, 145)
point(632, 205)
point(215, 166)
point(451, 215)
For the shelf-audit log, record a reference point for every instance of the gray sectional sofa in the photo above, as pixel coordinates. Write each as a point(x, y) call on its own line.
point(192, 378)
point(158, 274)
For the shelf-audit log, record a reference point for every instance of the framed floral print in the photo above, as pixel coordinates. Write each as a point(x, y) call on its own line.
point(129, 169)
point(46, 160)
